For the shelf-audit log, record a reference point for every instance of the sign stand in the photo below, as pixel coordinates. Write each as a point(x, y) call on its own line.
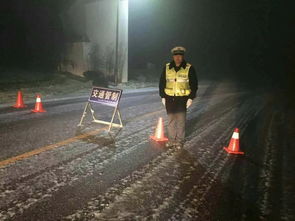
point(93, 98)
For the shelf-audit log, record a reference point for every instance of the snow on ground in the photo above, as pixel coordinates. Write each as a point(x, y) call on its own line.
point(171, 177)
point(38, 175)
point(47, 89)
point(55, 87)
point(128, 177)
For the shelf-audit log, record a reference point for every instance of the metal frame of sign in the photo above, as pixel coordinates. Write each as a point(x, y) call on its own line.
point(111, 123)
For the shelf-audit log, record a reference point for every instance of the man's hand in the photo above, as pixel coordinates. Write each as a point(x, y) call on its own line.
point(189, 103)
point(163, 101)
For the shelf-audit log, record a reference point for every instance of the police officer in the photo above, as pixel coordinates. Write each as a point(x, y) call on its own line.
point(178, 87)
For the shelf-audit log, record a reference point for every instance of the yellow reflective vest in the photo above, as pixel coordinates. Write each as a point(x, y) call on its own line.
point(177, 83)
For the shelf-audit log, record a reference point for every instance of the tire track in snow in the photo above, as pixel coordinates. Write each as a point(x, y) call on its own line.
point(165, 161)
point(124, 215)
point(56, 179)
point(213, 169)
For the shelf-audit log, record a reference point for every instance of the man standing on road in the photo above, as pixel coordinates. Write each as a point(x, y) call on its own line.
point(178, 87)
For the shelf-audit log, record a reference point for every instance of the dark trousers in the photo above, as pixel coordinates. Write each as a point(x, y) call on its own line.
point(176, 127)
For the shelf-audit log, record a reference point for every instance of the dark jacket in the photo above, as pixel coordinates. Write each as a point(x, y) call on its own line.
point(176, 104)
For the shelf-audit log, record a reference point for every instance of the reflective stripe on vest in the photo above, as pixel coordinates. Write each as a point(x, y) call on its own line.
point(177, 83)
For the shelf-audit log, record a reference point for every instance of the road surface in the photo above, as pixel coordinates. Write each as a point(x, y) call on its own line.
point(52, 170)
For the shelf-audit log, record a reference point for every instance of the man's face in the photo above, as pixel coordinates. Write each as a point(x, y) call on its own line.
point(178, 58)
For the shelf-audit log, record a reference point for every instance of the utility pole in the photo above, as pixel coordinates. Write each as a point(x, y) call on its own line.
point(116, 71)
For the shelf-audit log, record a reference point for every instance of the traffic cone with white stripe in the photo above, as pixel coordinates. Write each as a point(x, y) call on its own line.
point(38, 105)
point(234, 144)
point(159, 133)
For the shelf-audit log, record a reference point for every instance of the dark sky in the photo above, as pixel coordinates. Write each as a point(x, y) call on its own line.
point(224, 37)
point(31, 33)
point(227, 37)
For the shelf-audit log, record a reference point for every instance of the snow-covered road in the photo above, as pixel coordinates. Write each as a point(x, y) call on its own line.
point(88, 175)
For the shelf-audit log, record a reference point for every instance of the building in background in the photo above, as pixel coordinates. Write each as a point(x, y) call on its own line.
point(97, 33)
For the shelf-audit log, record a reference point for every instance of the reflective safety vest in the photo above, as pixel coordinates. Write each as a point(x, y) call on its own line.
point(177, 83)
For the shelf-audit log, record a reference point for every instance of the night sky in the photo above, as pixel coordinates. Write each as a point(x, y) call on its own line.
point(241, 38)
point(31, 33)
point(245, 38)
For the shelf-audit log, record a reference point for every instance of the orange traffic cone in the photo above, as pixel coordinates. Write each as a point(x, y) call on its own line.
point(234, 146)
point(38, 105)
point(19, 100)
point(159, 133)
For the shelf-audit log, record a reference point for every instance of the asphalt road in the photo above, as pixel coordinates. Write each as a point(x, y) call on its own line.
point(52, 170)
